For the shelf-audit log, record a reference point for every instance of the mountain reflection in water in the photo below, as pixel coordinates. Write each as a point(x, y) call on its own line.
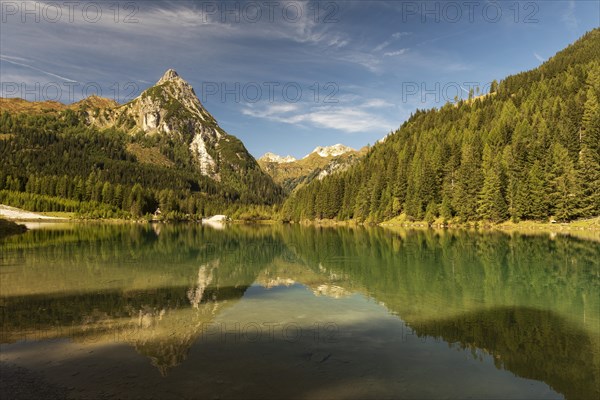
point(330, 298)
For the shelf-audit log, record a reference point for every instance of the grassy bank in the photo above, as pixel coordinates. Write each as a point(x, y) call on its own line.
point(585, 228)
point(583, 224)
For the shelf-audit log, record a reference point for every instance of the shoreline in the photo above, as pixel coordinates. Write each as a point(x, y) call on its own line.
point(17, 214)
point(585, 228)
point(590, 225)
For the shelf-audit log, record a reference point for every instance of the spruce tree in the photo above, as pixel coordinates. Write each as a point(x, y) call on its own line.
point(538, 205)
point(563, 188)
point(431, 212)
point(468, 184)
point(491, 203)
point(589, 157)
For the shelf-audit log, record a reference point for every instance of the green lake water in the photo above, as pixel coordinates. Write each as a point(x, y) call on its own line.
point(186, 311)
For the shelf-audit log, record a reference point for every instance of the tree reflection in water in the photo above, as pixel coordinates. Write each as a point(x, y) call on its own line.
point(531, 302)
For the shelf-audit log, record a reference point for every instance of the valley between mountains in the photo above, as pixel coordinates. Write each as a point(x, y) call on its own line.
point(528, 150)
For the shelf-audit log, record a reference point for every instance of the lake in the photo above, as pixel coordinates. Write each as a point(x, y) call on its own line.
point(284, 311)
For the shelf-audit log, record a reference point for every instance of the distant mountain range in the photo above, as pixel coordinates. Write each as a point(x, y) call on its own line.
point(274, 158)
point(328, 151)
point(291, 173)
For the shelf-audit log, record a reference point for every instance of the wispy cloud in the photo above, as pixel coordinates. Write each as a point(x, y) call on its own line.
point(395, 36)
point(354, 118)
point(21, 62)
point(398, 35)
point(382, 46)
point(569, 17)
point(365, 60)
point(187, 30)
point(376, 103)
point(276, 109)
point(395, 53)
point(538, 57)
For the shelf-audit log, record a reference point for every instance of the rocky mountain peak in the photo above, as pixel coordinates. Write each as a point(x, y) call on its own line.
point(172, 85)
point(274, 158)
point(95, 101)
point(170, 75)
point(172, 108)
point(332, 151)
point(290, 173)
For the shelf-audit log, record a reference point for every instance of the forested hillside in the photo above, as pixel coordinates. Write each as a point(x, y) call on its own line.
point(56, 162)
point(530, 149)
point(162, 150)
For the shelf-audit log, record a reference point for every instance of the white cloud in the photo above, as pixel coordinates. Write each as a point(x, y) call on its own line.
point(377, 103)
point(395, 36)
point(271, 110)
point(338, 42)
point(185, 30)
point(398, 35)
point(350, 119)
point(347, 119)
point(13, 60)
point(382, 46)
point(569, 17)
point(365, 60)
point(395, 53)
point(538, 57)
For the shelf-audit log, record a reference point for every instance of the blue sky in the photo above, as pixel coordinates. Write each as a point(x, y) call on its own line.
point(328, 72)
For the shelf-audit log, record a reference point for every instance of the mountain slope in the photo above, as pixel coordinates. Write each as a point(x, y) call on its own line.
point(162, 140)
point(171, 108)
point(332, 151)
point(530, 151)
point(323, 161)
point(274, 158)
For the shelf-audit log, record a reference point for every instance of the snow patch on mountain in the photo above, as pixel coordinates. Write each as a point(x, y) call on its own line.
point(331, 151)
point(274, 158)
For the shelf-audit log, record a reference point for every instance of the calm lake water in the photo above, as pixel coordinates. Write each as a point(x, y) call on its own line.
point(172, 311)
